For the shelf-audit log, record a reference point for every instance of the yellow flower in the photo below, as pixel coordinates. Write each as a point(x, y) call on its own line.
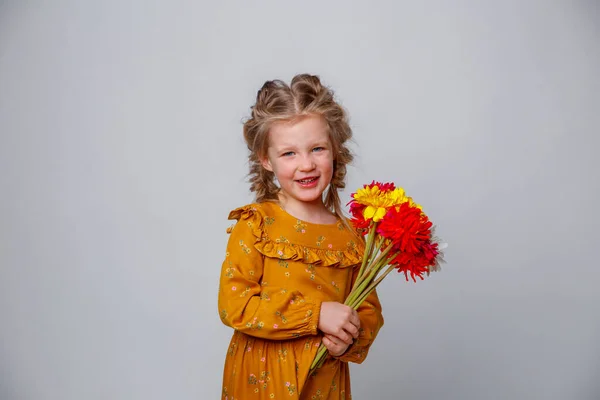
point(377, 202)
point(413, 204)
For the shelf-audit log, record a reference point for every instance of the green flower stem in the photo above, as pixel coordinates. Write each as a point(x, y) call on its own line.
point(363, 284)
point(382, 257)
point(368, 248)
point(378, 243)
point(373, 252)
point(379, 263)
point(373, 257)
point(370, 289)
point(372, 267)
point(319, 358)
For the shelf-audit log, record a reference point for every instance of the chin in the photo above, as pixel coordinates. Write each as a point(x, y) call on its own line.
point(312, 199)
point(306, 198)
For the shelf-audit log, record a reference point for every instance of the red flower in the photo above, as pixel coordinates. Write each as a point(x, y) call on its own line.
point(356, 208)
point(413, 270)
point(358, 219)
point(409, 230)
point(384, 187)
point(416, 264)
point(361, 225)
point(407, 227)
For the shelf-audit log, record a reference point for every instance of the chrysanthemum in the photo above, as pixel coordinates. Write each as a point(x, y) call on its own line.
point(416, 264)
point(409, 231)
point(407, 227)
point(373, 201)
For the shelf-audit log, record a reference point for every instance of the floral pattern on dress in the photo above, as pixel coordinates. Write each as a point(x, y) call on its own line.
point(276, 272)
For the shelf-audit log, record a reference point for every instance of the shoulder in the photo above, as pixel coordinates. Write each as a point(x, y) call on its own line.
point(253, 209)
point(254, 215)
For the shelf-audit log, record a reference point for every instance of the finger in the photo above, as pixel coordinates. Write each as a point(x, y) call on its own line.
point(328, 343)
point(344, 336)
point(331, 345)
point(336, 346)
point(352, 330)
point(337, 342)
point(332, 339)
point(355, 319)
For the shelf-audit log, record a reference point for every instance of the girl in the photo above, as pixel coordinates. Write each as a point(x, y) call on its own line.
point(292, 256)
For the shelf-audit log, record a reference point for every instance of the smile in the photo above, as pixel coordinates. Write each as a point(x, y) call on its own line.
point(307, 181)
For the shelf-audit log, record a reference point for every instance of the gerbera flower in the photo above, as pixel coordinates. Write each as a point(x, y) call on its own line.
point(373, 201)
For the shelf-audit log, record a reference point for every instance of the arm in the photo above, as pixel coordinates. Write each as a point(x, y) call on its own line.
point(371, 321)
point(245, 306)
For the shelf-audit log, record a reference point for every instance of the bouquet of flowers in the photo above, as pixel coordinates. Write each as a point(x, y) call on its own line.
point(399, 236)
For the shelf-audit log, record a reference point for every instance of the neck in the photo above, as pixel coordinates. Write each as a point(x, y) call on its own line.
point(314, 212)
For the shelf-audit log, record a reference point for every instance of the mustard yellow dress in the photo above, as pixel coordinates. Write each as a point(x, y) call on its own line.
point(277, 271)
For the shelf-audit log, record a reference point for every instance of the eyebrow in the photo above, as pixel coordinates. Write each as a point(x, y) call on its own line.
point(288, 147)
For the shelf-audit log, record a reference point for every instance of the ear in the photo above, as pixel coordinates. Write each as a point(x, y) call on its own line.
point(266, 164)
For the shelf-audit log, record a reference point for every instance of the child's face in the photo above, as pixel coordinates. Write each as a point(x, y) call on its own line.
point(300, 154)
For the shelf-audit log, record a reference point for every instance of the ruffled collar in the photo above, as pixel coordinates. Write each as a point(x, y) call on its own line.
point(280, 235)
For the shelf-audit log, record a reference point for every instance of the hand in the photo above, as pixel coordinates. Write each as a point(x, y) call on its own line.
point(339, 320)
point(334, 345)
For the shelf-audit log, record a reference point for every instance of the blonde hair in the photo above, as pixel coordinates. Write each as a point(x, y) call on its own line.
point(276, 102)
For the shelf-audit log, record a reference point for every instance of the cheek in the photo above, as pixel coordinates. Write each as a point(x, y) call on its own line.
point(331, 173)
point(328, 163)
point(328, 169)
point(284, 168)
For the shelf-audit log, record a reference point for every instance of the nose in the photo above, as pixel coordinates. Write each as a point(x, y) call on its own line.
point(307, 163)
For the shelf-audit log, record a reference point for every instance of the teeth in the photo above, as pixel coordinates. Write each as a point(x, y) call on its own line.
point(306, 180)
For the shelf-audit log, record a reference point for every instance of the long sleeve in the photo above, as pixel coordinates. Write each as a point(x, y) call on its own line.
point(371, 321)
point(248, 305)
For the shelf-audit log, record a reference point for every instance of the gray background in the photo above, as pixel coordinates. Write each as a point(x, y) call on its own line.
point(121, 155)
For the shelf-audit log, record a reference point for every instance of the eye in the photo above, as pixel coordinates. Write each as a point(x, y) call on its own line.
point(319, 149)
point(287, 154)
